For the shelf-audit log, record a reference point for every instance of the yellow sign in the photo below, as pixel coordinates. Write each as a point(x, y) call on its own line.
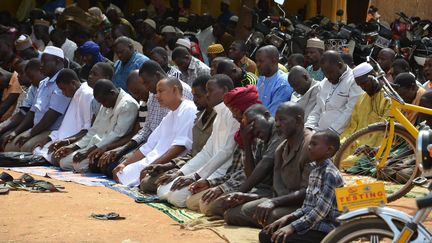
point(360, 196)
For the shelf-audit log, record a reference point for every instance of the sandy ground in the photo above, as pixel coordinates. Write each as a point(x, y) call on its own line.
point(64, 217)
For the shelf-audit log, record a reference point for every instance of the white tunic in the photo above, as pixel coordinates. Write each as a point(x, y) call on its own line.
point(174, 129)
point(78, 116)
point(335, 103)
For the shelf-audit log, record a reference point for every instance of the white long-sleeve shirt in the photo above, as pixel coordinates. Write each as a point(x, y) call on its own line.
point(111, 123)
point(216, 156)
point(174, 129)
point(335, 103)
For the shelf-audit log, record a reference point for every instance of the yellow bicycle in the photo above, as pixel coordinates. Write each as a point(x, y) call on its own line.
point(384, 151)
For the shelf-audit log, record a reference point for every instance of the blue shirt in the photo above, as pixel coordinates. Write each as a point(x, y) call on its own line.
point(317, 75)
point(274, 90)
point(49, 96)
point(122, 70)
point(30, 97)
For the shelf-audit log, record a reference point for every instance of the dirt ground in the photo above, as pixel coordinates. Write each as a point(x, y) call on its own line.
point(64, 217)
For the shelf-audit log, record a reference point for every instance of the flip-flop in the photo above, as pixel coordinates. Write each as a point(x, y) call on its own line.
point(5, 177)
point(107, 216)
point(44, 186)
point(150, 199)
point(4, 190)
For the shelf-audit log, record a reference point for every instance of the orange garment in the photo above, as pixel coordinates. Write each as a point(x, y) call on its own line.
point(247, 64)
point(13, 88)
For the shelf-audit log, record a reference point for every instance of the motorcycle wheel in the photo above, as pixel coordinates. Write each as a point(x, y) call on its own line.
point(362, 230)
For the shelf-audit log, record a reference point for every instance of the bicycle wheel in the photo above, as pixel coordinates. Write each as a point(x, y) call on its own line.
point(356, 159)
point(361, 230)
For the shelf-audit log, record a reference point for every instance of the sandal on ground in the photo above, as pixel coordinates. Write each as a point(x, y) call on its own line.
point(107, 216)
point(5, 177)
point(4, 190)
point(150, 199)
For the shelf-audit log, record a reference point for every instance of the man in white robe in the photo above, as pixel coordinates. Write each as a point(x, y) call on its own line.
point(172, 138)
point(78, 116)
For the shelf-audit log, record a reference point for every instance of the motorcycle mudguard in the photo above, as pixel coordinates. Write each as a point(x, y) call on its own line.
point(389, 215)
point(378, 211)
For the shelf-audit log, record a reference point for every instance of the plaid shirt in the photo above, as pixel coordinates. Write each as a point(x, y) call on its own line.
point(319, 210)
point(156, 113)
point(236, 166)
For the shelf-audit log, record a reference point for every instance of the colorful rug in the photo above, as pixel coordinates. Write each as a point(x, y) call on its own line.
point(86, 179)
point(178, 214)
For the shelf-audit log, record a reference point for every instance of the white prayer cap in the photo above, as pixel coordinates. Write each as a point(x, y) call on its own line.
point(362, 69)
point(315, 43)
point(227, 2)
point(168, 29)
point(150, 22)
point(184, 42)
point(234, 18)
point(55, 51)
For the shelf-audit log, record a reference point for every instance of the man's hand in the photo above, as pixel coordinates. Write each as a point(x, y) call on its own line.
point(237, 198)
point(109, 157)
point(198, 186)
point(63, 152)
point(281, 234)
point(210, 195)
point(22, 140)
point(167, 178)
point(80, 156)
point(9, 138)
point(263, 210)
point(116, 170)
point(246, 132)
point(276, 225)
point(155, 169)
point(57, 145)
point(96, 154)
point(182, 182)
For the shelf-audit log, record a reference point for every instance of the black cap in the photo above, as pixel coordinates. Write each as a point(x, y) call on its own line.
point(404, 80)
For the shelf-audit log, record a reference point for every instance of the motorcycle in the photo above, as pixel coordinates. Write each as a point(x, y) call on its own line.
point(384, 224)
point(277, 31)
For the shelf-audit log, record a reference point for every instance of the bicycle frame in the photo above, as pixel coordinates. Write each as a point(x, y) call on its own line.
point(396, 114)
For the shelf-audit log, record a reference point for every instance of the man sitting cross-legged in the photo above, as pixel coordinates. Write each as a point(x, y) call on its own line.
point(49, 106)
point(78, 116)
point(150, 74)
point(305, 89)
point(216, 153)
point(317, 216)
point(172, 138)
point(291, 168)
point(373, 102)
point(238, 101)
point(203, 127)
point(115, 119)
point(260, 140)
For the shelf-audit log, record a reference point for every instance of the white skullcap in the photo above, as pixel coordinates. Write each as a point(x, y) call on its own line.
point(234, 18)
point(150, 22)
point(55, 51)
point(227, 2)
point(168, 29)
point(362, 69)
point(184, 42)
point(315, 43)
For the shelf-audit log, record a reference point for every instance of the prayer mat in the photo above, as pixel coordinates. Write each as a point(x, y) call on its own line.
point(86, 179)
point(227, 232)
point(180, 215)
